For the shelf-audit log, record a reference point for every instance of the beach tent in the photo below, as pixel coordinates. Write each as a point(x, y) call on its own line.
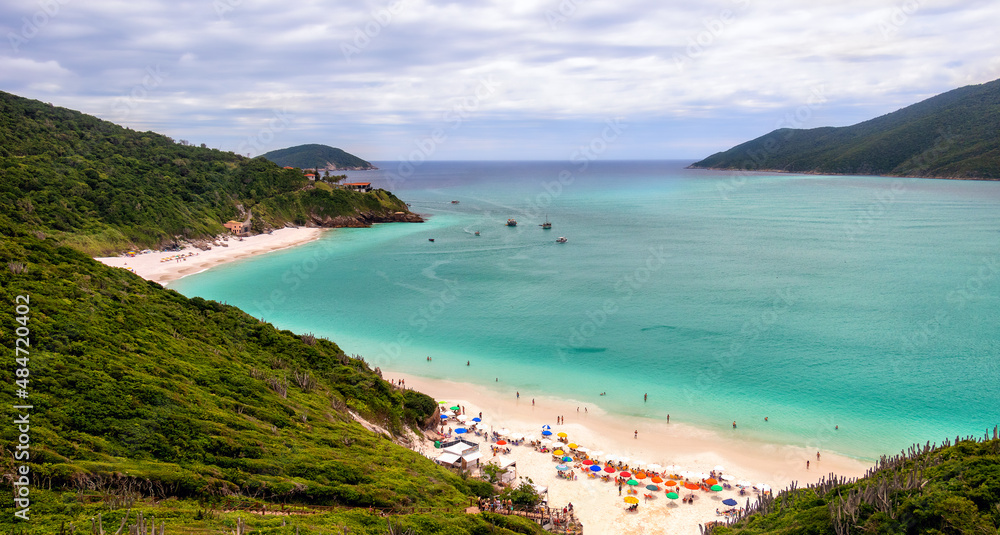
point(729, 501)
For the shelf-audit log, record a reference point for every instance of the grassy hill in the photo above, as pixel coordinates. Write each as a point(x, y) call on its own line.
point(315, 156)
point(952, 135)
point(102, 188)
point(951, 489)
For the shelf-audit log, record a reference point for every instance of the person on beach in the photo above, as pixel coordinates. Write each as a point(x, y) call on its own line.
point(668, 418)
point(807, 465)
point(532, 402)
point(468, 363)
point(817, 456)
point(518, 395)
point(636, 434)
point(645, 397)
point(765, 418)
point(734, 425)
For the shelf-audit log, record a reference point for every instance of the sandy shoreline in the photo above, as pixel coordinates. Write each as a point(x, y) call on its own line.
point(597, 504)
point(164, 266)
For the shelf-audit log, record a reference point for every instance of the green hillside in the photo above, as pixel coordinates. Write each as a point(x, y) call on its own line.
point(952, 489)
point(102, 188)
point(315, 156)
point(952, 135)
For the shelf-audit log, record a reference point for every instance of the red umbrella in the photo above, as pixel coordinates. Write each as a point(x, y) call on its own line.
point(626, 475)
point(501, 442)
point(692, 486)
point(588, 462)
point(609, 469)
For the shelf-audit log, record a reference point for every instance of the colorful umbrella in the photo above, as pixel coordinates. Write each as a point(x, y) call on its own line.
point(587, 462)
point(546, 433)
point(456, 408)
point(546, 427)
point(501, 442)
point(595, 468)
point(477, 419)
point(561, 435)
point(559, 453)
point(656, 479)
point(640, 475)
point(625, 475)
point(729, 501)
point(461, 430)
point(711, 482)
point(631, 499)
point(692, 486)
point(572, 445)
point(567, 459)
point(444, 416)
point(716, 488)
point(609, 469)
point(652, 487)
point(670, 483)
point(562, 467)
point(672, 495)
point(632, 482)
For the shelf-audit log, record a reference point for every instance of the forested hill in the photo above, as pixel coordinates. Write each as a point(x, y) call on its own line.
point(315, 156)
point(952, 135)
point(103, 188)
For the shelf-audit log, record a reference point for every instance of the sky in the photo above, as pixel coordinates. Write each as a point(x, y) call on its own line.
point(492, 80)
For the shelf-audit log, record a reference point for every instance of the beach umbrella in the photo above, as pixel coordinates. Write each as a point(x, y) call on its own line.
point(561, 434)
point(444, 416)
point(703, 476)
point(640, 464)
point(744, 483)
point(545, 442)
point(656, 479)
point(625, 474)
point(461, 430)
point(559, 453)
point(503, 431)
point(501, 442)
point(567, 459)
point(530, 438)
point(718, 468)
point(598, 453)
point(728, 477)
point(716, 488)
point(571, 445)
point(711, 482)
point(652, 487)
point(612, 458)
point(517, 436)
point(582, 449)
point(546, 427)
point(546, 433)
point(654, 467)
point(477, 419)
point(631, 499)
point(562, 467)
point(640, 475)
point(461, 417)
point(729, 501)
point(595, 468)
point(672, 495)
point(670, 483)
point(766, 488)
point(609, 469)
point(588, 462)
point(691, 486)
point(623, 459)
point(456, 408)
point(632, 482)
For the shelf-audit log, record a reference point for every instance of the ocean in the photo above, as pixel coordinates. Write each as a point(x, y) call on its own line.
point(858, 314)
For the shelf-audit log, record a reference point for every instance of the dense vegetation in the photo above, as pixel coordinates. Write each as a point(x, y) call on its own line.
point(102, 188)
point(315, 156)
point(953, 489)
point(952, 135)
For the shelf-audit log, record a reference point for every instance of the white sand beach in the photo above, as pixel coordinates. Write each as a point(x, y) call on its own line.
point(598, 504)
point(165, 266)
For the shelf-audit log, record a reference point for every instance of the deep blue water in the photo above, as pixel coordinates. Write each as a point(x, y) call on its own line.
point(860, 302)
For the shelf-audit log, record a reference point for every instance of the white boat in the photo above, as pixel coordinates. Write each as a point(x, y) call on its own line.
point(561, 239)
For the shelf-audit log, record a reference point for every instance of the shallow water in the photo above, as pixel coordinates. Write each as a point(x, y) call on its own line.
point(860, 302)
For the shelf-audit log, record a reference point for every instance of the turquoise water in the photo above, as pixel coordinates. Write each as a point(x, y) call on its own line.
point(860, 302)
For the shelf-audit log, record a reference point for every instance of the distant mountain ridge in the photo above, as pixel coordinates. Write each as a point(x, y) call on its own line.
point(951, 135)
point(315, 156)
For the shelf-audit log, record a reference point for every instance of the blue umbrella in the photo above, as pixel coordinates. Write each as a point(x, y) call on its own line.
point(595, 468)
point(546, 433)
point(477, 419)
point(461, 430)
point(562, 467)
point(567, 459)
point(444, 416)
point(729, 501)
point(546, 427)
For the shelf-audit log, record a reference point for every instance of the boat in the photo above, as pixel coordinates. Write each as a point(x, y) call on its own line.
point(546, 225)
point(561, 239)
point(512, 222)
point(454, 202)
point(430, 239)
point(477, 233)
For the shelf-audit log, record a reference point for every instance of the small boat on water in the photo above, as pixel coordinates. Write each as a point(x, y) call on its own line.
point(477, 233)
point(430, 239)
point(546, 225)
point(561, 239)
point(454, 202)
point(512, 222)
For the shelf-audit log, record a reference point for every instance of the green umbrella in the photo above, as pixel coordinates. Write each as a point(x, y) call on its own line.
point(632, 482)
point(672, 495)
point(716, 488)
point(456, 408)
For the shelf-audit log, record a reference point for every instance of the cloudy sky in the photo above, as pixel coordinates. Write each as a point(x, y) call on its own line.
point(511, 79)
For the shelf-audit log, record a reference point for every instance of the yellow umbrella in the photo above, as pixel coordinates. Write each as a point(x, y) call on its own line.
point(631, 499)
point(572, 446)
point(559, 453)
point(561, 435)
